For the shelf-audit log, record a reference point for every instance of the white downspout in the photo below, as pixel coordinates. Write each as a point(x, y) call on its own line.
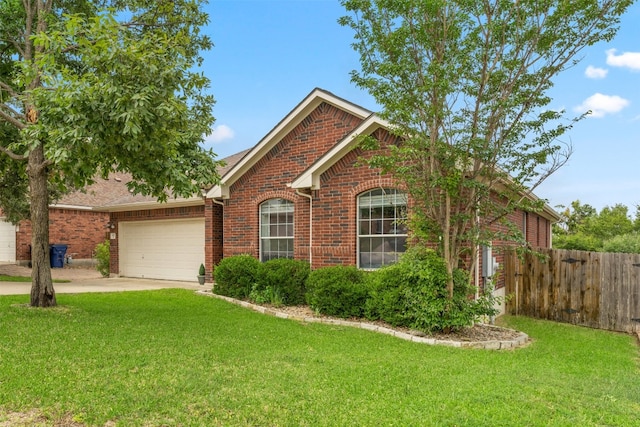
point(310, 197)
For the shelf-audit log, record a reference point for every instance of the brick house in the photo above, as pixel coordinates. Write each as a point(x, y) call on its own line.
point(73, 221)
point(301, 192)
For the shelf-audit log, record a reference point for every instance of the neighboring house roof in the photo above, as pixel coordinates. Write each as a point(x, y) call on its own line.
point(299, 113)
point(112, 195)
point(101, 192)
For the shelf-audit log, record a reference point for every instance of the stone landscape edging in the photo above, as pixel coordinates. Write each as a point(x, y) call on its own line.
point(519, 341)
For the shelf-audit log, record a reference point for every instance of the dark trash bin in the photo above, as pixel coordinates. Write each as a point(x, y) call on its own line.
point(56, 254)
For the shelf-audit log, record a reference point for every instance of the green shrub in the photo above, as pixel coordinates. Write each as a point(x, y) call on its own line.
point(578, 241)
point(337, 291)
point(625, 243)
point(385, 300)
point(268, 295)
point(235, 276)
point(284, 277)
point(413, 293)
point(103, 255)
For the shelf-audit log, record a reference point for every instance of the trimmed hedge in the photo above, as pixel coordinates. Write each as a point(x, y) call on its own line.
point(337, 291)
point(235, 276)
point(283, 278)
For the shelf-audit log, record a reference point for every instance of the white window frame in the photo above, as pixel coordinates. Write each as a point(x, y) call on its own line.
point(395, 240)
point(277, 207)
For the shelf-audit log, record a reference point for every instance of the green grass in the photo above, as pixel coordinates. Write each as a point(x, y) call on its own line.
point(22, 279)
point(170, 357)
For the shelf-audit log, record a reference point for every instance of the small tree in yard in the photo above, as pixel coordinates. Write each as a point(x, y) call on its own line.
point(465, 84)
point(86, 91)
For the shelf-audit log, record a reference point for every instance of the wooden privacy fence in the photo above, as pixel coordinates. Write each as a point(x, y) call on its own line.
point(599, 290)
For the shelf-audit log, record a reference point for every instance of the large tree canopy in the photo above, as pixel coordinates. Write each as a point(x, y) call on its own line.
point(465, 84)
point(611, 230)
point(87, 88)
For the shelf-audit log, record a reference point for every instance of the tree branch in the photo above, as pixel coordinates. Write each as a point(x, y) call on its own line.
point(13, 155)
point(10, 118)
point(9, 89)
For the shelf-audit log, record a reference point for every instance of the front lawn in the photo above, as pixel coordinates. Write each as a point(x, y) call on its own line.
point(171, 357)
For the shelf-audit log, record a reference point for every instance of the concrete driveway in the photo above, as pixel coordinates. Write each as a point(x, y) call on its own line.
point(101, 285)
point(89, 280)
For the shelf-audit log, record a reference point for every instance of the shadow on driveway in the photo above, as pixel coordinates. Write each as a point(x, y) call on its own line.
point(102, 285)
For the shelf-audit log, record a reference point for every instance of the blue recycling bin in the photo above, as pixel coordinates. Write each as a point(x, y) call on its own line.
point(56, 254)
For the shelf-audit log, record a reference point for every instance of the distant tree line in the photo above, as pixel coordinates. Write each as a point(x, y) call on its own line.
point(613, 229)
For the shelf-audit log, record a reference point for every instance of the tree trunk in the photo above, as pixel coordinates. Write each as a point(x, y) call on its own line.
point(42, 292)
point(447, 246)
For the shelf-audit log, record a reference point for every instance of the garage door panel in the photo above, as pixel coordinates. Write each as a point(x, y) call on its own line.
point(170, 250)
point(7, 241)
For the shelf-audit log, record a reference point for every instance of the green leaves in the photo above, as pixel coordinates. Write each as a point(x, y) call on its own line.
point(117, 90)
point(465, 84)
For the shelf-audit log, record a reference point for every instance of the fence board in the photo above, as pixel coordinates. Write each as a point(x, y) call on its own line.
point(599, 290)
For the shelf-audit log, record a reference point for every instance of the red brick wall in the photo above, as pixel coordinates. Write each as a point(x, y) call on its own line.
point(146, 215)
point(214, 234)
point(312, 138)
point(81, 230)
point(537, 231)
point(335, 206)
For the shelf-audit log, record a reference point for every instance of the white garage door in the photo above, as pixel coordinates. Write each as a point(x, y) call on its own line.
point(7, 241)
point(168, 249)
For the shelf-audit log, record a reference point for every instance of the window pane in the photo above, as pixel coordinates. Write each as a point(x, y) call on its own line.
point(376, 244)
point(365, 260)
point(365, 244)
point(364, 228)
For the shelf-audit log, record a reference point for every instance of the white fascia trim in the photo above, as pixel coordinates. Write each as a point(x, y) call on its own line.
point(214, 192)
point(74, 207)
point(311, 177)
point(171, 203)
point(301, 111)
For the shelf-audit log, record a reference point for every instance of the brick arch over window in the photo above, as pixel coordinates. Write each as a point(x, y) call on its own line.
point(274, 194)
point(381, 182)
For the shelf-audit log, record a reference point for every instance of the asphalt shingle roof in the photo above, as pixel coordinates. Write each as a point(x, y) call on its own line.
point(113, 190)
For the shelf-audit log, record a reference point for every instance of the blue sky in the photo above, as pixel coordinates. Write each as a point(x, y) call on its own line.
point(270, 54)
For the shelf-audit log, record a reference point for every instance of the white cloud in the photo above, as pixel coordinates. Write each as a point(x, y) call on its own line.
point(627, 59)
point(595, 72)
point(601, 105)
point(220, 133)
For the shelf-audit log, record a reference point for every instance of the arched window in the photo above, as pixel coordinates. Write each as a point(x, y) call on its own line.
point(276, 229)
point(382, 230)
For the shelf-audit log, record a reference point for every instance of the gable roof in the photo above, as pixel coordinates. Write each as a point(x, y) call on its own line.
point(299, 113)
point(310, 178)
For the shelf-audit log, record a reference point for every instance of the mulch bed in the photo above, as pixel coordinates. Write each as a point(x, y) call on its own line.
point(476, 333)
